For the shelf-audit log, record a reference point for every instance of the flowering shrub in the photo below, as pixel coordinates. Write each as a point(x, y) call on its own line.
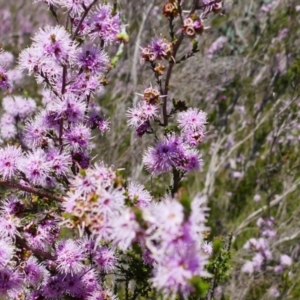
point(73, 226)
point(75, 229)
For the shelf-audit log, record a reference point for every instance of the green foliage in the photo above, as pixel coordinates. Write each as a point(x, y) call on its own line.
point(133, 268)
point(201, 287)
point(220, 265)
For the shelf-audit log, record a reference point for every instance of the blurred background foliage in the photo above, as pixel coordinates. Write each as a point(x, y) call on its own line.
point(248, 81)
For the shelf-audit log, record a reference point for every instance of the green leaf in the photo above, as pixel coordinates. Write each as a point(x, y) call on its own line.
point(200, 285)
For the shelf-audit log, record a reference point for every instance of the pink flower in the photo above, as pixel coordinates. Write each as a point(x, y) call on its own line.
point(77, 137)
point(248, 267)
point(138, 195)
point(9, 160)
point(6, 251)
point(105, 259)
point(169, 153)
point(70, 106)
point(273, 292)
point(206, 247)
point(257, 198)
point(70, 257)
point(55, 42)
point(104, 24)
point(92, 58)
point(141, 113)
point(285, 260)
point(75, 7)
point(192, 119)
point(124, 229)
point(35, 167)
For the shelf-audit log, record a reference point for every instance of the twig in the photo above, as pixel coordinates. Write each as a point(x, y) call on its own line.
point(40, 254)
point(31, 190)
point(82, 19)
point(172, 62)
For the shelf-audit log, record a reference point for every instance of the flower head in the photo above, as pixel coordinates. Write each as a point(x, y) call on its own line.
point(9, 160)
point(105, 259)
point(55, 42)
point(35, 167)
point(70, 257)
point(104, 24)
point(93, 59)
point(171, 153)
point(77, 137)
point(138, 195)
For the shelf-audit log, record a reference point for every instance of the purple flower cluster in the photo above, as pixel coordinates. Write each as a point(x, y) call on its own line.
point(146, 111)
point(170, 240)
point(172, 153)
point(68, 265)
point(262, 251)
point(174, 241)
point(159, 48)
point(192, 124)
point(71, 224)
point(176, 151)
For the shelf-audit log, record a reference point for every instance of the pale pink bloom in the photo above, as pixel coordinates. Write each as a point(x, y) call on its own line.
point(248, 267)
point(257, 198)
point(206, 247)
point(237, 174)
point(124, 229)
point(192, 119)
point(138, 194)
point(273, 292)
point(285, 260)
point(169, 216)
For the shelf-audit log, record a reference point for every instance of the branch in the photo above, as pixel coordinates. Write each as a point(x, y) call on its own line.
point(31, 190)
point(172, 62)
point(40, 254)
point(82, 19)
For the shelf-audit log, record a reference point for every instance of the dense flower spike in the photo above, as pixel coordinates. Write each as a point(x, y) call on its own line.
point(73, 228)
